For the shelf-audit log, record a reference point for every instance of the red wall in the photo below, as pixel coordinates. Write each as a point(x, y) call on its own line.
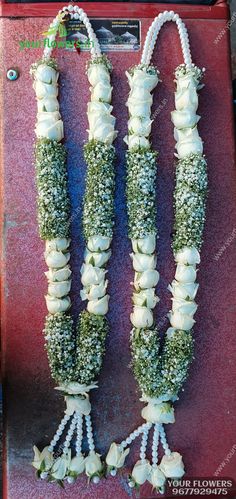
point(204, 431)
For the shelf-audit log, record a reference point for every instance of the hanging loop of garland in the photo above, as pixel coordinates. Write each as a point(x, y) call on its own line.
point(161, 372)
point(75, 354)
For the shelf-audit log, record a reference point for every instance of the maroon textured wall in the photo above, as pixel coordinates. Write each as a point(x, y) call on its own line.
point(204, 431)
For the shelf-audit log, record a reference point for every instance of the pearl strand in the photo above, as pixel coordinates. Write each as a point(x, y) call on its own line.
point(143, 446)
point(164, 441)
point(135, 434)
point(89, 433)
point(70, 434)
point(155, 442)
point(79, 436)
point(59, 432)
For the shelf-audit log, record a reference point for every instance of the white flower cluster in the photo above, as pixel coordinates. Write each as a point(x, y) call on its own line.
point(184, 289)
point(184, 117)
point(93, 274)
point(142, 80)
point(101, 121)
point(145, 280)
point(59, 283)
point(171, 466)
point(49, 124)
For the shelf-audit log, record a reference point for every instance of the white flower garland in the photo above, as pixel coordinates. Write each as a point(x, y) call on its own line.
point(160, 376)
point(75, 360)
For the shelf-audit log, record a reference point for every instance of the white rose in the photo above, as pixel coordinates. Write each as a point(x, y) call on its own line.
point(105, 133)
point(141, 317)
point(142, 262)
point(187, 134)
point(50, 131)
point(58, 275)
point(46, 74)
point(98, 243)
point(48, 105)
point(93, 464)
point(116, 456)
point(98, 73)
point(56, 259)
point(45, 457)
point(187, 81)
point(184, 306)
point(96, 122)
point(136, 141)
point(101, 91)
point(77, 465)
point(59, 289)
point(186, 118)
point(139, 108)
point(184, 290)
point(181, 321)
point(97, 259)
point(146, 298)
point(185, 148)
point(99, 306)
point(172, 466)
point(145, 245)
point(147, 279)
point(95, 291)
point(43, 90)
point(185, 273)
point(78, 404)
point(60, 466)
point(140, 126)
point(141, 472)
point(158, 413)
point(91, 275)
point(186, 98)
point(58, 244)
point(98, 108)
point(190, 256)
point(142, 79)
point(139, 93)
point(49, 118)
point(157, 478)
point(56, 305)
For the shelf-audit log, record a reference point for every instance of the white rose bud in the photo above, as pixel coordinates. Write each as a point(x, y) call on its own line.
point(157, 478)
point(142, 262)
point(58, 275)
point(189, 147)
point(99, 306)
point(95, 291)
point(145, 245)
point(185, 273)
point(116, 456)
point(190, 256)
point(141, 317)
point(46, 74)
point(184, 306)
point(181, 321)
point(43, 90)
point(77, 465)
point(98, 73)
point(140, 108)
point(186, 98)
point(49, 104)
point(140, 126)
point(146, 279)
point(186, 118)
point(187, 81)
point(91, 275)
point(56, 305)
point(56, 259)
point(105, 133)
point(98, 243)
point(101, 91)
point(141, 472)
point(93, 464)
point(59, 289)
point(60, 466)
point(49, 131)
point(184, 290)
point(186, 135)
point(142, 79)
point(146, 298)
point(58, 244)
point(99, 108)
point(97, 259)
point(136, 141)
point(172, 466)
point(158, 413)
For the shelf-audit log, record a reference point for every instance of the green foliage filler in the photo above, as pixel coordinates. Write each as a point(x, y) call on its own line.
point(60, 346)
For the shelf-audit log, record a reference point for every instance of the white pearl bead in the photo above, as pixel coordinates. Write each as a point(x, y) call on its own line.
point(70, 479)
point(128, 440)
point(113, 472)
point(131, 485)
point(96, 479)
point(44, 475)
